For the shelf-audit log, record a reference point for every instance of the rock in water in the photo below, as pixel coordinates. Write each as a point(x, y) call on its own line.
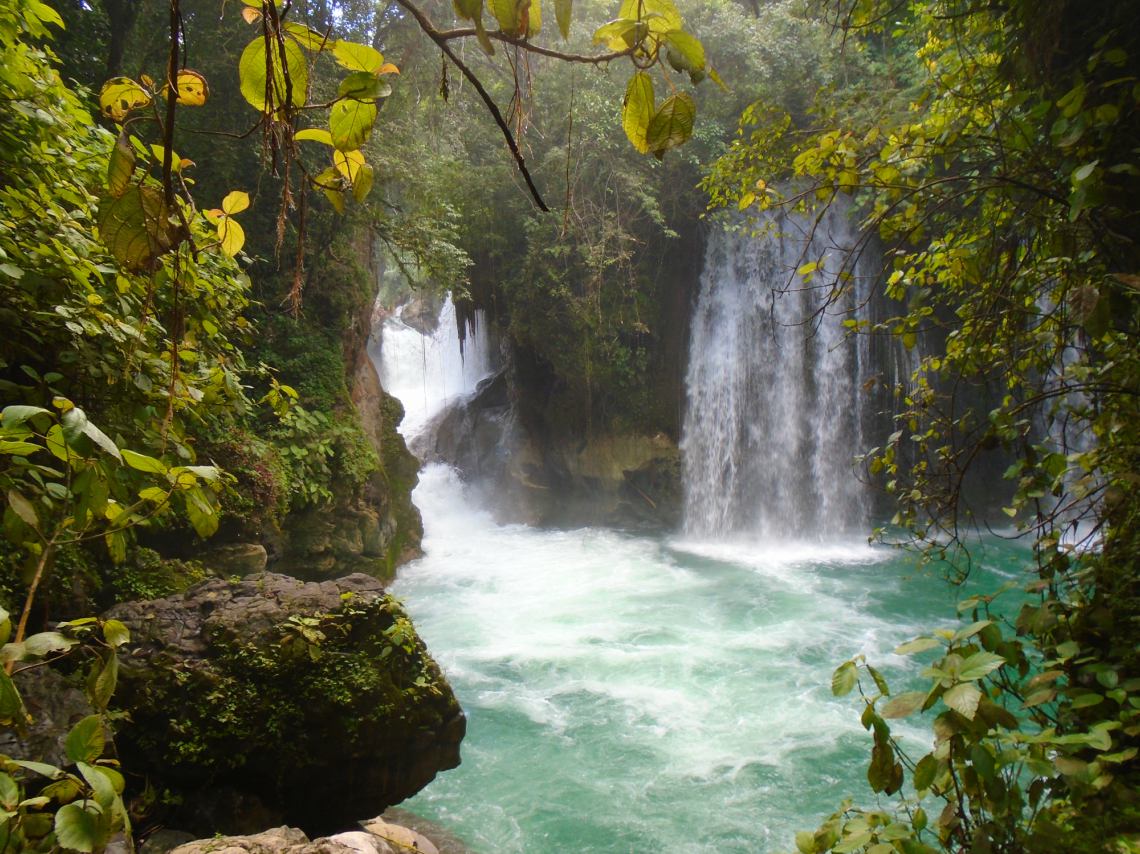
point(277, 699)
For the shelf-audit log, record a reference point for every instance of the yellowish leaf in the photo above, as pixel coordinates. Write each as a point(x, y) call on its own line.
point(192, 88)
point(119, 96)
point(251, 15)
point(231, 236)
point(235, 202)
point(348, 163)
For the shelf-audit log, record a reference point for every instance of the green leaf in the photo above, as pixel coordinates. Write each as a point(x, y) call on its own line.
point(200, 512)
point(235, 202)
point(14, 416)
point(621, 34)
point(637, 110)
point(350, 123)
point(254, 81)
point(73, 422)
point(362, 183)
point(309, 39)
point(563, 13)
point(116, 633)
point(963, 698)
point(100, 785)
point(18, 449)
point(364, 86)
point(978, 665)
point(9, 792)
point(971, 630)
point(506, 12)
point(85, 742)
point(104, 677)
point(121, 166)
point(917, 645)
point(135, 227)
point(357, 57)
point(142, 462)
point(23, 508)
point(843, 679)
point(925, 772)
point(468, 10)
point(102, 440)
point(672, 124)
point(77, 828)
point(904, 704)
point(43, 643)
point(11, 706)
point(685, 52)
point(314, 135)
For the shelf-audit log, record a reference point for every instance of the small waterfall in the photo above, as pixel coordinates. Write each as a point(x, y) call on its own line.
point(427, 371)
point(775, 410)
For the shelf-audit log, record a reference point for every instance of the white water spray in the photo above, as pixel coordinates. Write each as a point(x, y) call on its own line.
point(775, 415)
point(429, 371)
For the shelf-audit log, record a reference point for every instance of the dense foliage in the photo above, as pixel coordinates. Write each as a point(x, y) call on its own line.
point(999, 174)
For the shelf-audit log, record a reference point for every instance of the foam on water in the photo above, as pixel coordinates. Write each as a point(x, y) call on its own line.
point(634, 694)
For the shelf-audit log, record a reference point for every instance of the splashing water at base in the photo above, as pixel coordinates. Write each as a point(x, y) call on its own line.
point(626, 693)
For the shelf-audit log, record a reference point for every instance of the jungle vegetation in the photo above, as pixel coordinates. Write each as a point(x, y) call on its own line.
point(179, 275)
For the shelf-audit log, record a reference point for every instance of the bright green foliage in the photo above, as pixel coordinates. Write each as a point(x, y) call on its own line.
point(80, 806)
point(998, 170)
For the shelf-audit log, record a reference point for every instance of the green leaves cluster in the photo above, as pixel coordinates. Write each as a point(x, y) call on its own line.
point(78, 807)
point(274, 76)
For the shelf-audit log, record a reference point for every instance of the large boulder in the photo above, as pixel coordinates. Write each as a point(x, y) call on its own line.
point(272, 699)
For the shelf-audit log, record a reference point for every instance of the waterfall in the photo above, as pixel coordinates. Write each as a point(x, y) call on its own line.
point(775, 411)
point(427, 370)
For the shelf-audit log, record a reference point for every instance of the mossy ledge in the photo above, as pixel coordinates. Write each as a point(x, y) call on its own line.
point(276, 700)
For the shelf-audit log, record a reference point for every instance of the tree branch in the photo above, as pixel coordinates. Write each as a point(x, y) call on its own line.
point(441, 40)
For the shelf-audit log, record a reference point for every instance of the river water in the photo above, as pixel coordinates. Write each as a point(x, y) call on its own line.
point(668, 694)
point(636, 694)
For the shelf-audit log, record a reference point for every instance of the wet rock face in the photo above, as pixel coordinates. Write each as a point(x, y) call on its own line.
point(273, 699)
point(625, 480)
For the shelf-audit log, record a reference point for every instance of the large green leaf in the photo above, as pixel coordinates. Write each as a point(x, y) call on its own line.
point(142, 462)
point(357, 57)
point(350, 123)
point(85, 742)
point(672, 124)
point(963, 699)
point(843, 679)
point(121, 166)
point(685, 52)
point(978, 665)
point(77, 828)
point(506, 12)
point(661, 15)
point(253, 75)
point(364, 86)
point(136, 226)
point(904, 704)
point(17, 414)
point(637, 110)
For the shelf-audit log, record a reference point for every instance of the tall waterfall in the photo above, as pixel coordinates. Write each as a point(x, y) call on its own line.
point(775, 411)
point(429, 370)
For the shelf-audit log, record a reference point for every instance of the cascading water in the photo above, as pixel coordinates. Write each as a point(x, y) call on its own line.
point(775, 415)
point(635, 693)
point(429, 371)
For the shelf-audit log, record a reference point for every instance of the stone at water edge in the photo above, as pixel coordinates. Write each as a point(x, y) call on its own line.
point(402, 838)
point(233, 709)
point(379, 837)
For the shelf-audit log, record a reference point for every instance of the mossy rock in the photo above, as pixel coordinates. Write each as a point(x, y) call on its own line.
point(318, 700)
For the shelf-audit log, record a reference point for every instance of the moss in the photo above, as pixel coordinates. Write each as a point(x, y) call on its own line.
point(276, 700)
point(147, 575)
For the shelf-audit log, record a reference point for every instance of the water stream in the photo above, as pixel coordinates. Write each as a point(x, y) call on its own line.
point(670, 694)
